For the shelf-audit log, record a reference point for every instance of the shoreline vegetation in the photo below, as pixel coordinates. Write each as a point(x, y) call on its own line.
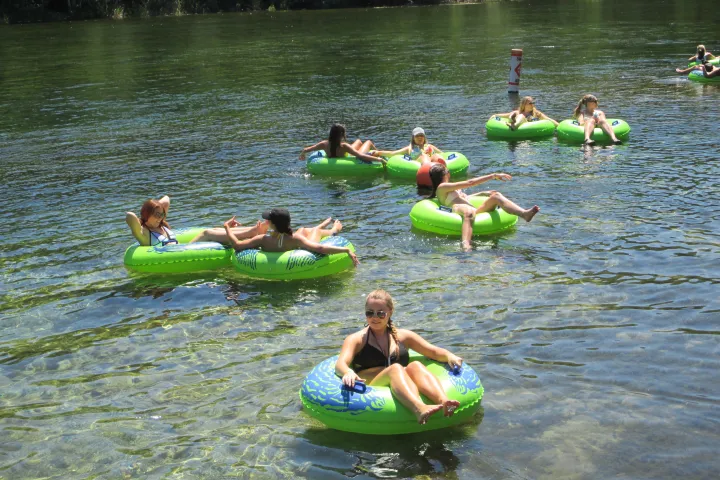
point(31, 11)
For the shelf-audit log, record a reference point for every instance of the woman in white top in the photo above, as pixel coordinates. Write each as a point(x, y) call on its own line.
point(152, 227)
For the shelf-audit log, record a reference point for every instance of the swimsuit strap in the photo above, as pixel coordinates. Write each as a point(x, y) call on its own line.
point(157, 237)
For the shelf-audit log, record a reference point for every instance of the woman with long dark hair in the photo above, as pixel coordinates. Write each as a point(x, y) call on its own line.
point(281, 238)
point(337, 146)
point(450, 195)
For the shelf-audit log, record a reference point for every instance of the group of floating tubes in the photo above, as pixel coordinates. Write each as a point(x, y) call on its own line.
point(185, 257)
point(374, 410)
point(568, 131)
point(398, 166)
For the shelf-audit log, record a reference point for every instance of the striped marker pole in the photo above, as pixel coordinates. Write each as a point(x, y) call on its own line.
point(515, 68)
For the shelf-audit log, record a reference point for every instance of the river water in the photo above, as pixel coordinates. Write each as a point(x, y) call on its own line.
point(594, 328)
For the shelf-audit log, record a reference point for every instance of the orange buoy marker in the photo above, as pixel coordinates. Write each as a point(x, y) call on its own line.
point(515, 68)
point(423, 173)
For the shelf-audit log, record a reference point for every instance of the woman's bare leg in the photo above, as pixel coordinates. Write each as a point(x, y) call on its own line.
point(315, 234)
point(468, 214)
point(607, 128)
point(497, 199)
point(357, 144)
point(405, 390)
point(519, 119)
point(219, 235)
point(589, 127)
point(430, 386)
point(367, 146)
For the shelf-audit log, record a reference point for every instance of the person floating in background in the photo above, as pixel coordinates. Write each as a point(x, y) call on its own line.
point(591, 117)
point(336, 146)
point(526, 112)
point(419, 149)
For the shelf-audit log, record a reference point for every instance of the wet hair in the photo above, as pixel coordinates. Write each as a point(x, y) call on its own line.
point(336, 137)
point(148, 210)
point(437, 175)
point(701, 51)
point(380, 294)
point(708, 67)
point(583, 102)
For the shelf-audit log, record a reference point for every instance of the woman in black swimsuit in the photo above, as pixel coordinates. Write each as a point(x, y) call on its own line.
point(379, 352)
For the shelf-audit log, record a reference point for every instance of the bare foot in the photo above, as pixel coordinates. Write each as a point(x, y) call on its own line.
point(424, 414)
point(325, 223)
point(337, 227)
point(589, 142)
point(450, 406)
point(530, 213)
point(466, 247)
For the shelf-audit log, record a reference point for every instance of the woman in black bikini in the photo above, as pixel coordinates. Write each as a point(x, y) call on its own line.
point(380, 354)
point(281, 238)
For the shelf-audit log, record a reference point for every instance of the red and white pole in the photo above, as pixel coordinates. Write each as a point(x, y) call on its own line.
point(515, 68)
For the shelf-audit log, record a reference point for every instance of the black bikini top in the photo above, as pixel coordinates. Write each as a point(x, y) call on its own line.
point(370, 356)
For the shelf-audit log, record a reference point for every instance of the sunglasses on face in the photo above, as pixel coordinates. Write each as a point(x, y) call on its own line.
point(159, 215)
point(373, 313)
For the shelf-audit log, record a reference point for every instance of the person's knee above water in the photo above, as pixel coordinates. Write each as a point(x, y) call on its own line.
point(337, 146)
point(378, 355)
point(280, 236)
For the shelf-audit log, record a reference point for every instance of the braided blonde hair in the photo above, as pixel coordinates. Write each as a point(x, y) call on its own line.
point(380, 294)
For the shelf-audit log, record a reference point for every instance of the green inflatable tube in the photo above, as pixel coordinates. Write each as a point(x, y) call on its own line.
point(497, 128)
point(714, 61)
point(570, 131)
point(293, 264)
point(183, 257)
point(403, 166)
point(697, 76)
point(319, 164)
point(428, 215)
point(374, 410)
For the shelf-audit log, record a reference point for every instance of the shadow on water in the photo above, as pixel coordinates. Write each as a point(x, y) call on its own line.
point(485, 241)
point(245, 293)
point(395, 456)
point(283, 294)
point(340, 186)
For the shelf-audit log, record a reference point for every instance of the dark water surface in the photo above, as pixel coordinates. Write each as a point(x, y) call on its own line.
point(594, 328)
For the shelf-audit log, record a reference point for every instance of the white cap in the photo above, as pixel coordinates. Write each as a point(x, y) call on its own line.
point(418, 131)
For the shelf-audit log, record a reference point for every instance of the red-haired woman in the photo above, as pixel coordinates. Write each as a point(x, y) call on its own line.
point(152, 227)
